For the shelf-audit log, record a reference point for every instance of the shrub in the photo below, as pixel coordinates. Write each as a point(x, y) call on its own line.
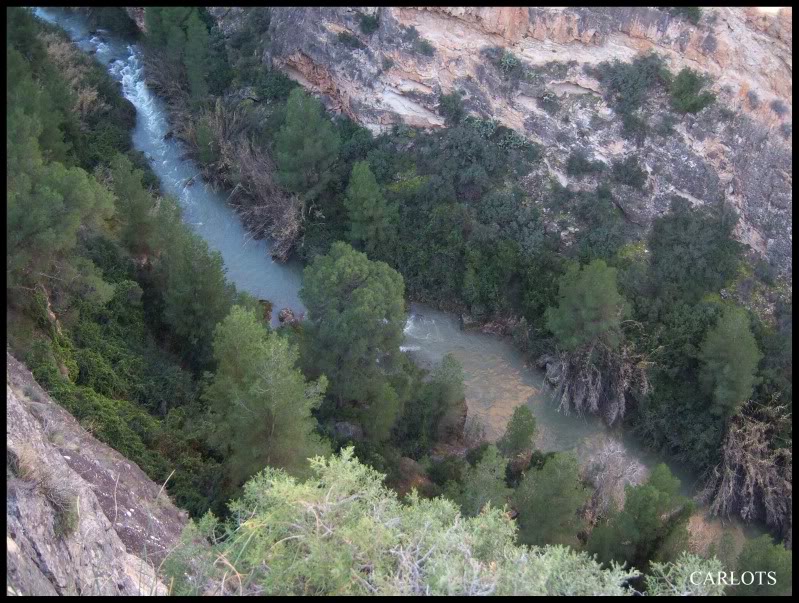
point(424, 47)
point(510, 65)
point(59, 494)
point(686, 92)
point(350, 41)
point(451, 107)
point(628, 84)
point(549, 102)
point(690, 13)
point(388, 63)
point(634, 128)
point(778, 107)
point(369, 23)
point(578, 164)
point(629, 172)
point(666, 125)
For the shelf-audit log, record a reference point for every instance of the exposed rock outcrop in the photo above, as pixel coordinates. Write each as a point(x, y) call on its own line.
point(81, 519)
point(743, 157)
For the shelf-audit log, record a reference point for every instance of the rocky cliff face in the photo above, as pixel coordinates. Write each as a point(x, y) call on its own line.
point(739, 150)
point(81, 519)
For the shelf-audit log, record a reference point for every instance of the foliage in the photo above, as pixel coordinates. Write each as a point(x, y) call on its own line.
point(589, 308)
point(519, 435)
point(549, 501)
point(628, 84)
point(368, 23)
point(451, 107)
point(579, 165)
point(679, 579)
point(435, 411)
point(652, 525)
point(729, 356)
point(306, 146)
point(686, 92)
point(196, 295)
point(424, 47)
point(372, 219)
point(484, 484)
point(356, 309)
point(629, 172)
point(349, 40)
point(260, 403)
point(763, 555)
point(691, 13)
point(693, 250)
point(421, 547)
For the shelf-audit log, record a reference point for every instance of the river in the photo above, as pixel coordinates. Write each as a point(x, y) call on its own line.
point(497, 377)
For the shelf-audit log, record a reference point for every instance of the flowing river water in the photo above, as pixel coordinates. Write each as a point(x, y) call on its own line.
point(497, 377)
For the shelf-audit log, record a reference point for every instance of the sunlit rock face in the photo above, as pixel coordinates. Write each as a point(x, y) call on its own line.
point(743, 157)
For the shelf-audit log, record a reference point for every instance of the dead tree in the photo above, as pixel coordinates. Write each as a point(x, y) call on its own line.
point(596, 379)
point(754, 478)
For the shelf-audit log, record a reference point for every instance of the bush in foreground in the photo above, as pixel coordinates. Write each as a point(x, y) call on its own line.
point(343, 532)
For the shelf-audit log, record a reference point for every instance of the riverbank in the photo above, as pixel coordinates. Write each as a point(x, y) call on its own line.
point(498, 378)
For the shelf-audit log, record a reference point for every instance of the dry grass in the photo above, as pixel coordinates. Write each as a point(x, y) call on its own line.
point(61, 496)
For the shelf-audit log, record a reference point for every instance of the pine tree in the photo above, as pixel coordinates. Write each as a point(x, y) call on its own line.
point(549, 501)
point(371, 224)
point(196, 57)
point(357, 313)
point(260, 403)
point(730, 357)
point(305, 147)
point(520, 432)
point(485, 484)
point(589, 308)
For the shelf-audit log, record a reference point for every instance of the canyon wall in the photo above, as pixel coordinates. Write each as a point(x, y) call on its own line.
point(738, 151)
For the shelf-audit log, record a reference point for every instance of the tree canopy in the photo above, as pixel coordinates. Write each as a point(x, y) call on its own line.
point(729, 356)
point(260, 402)
point(589, 308)
point(357, 313)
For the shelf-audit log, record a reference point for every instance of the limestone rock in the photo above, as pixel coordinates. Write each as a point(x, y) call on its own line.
point(81, 519)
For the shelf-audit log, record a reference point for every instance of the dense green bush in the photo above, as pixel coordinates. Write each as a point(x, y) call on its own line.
point(578, 164)
point(691, 13)
point(451, 107)
point(369, 23)
point(629, 171)
point(686, 92)
point(349, 40)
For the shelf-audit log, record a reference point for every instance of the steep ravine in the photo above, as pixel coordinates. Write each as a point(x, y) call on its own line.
point(739, 150)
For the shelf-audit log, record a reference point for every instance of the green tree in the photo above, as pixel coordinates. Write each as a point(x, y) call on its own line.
point(357, 313)
point(730, 357)
point(692, 249)
point(549, 500)
point(589, 308)
point(520, 432)
point(134, 205)
point(652, 525)
point(260, 403)
point(305, 147)
point(762, 555)
point(372, 219)
point(196, 57)
point(686, 92)
point(485, 484)
point(196, 296)
point(47, 205)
